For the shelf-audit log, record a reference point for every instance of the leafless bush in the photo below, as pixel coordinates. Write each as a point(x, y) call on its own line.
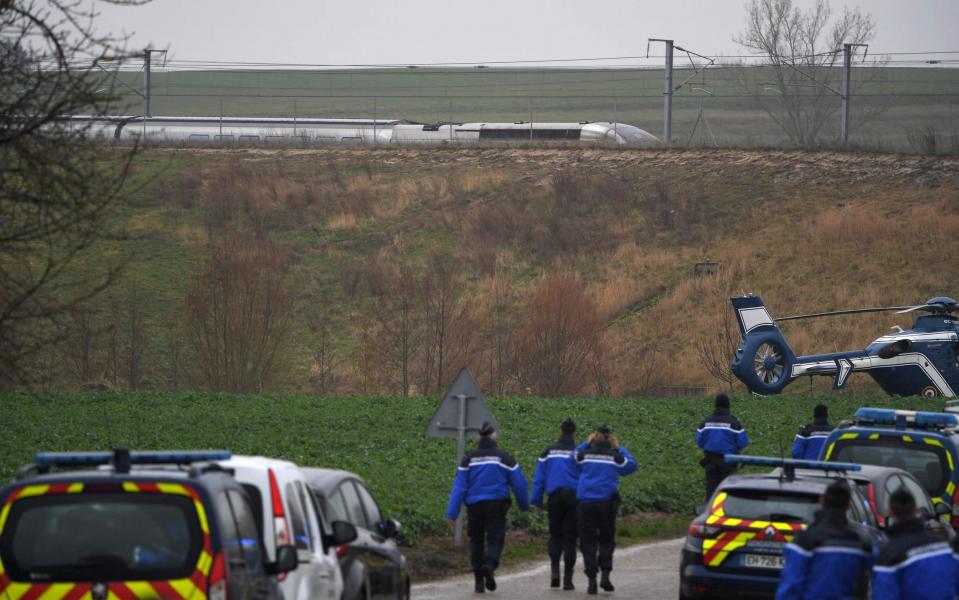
point(442, 286)
point(325, 377)
point(924, 140)
point(558, 349)
point(394, 333)
point(239, 309)
point(717, 346)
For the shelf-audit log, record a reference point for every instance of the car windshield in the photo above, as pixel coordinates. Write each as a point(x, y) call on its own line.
point(101, 537)
point(927, 463)
point(768, 505)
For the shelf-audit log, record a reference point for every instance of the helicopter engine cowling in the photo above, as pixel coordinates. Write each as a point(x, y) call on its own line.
point(764, 361)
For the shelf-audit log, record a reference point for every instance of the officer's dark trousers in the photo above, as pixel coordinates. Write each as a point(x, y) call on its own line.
point(561, 507)
point(716, 470)
point(487, 532)
point(597, 535)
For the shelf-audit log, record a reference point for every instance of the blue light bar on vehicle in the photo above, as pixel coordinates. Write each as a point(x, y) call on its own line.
point(791, 463)
point(160, 457)
point(889, 416)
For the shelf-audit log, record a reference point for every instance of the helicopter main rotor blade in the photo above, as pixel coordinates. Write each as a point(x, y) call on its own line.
point(912, 308)
point(853, 311)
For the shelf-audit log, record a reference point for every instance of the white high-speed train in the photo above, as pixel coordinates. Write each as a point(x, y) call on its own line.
point(361, 131)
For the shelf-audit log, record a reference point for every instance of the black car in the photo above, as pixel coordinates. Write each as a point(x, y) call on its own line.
point(105, 529)
point(734, 549)
point(372, 565)
point(877, 484)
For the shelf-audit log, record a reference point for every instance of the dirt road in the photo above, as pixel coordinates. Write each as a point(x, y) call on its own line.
point(645, 571)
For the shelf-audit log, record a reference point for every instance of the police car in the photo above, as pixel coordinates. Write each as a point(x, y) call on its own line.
point(177, 526)
point(922, 443)
point(735, 547)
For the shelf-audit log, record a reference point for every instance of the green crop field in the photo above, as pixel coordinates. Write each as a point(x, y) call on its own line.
point(381, 438)
point(889, 103)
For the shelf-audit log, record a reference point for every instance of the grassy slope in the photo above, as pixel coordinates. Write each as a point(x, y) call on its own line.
point(807, 231)
point(381, 438)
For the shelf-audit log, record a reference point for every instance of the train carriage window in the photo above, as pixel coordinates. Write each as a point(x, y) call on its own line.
point(199, 137)
point(250, 138)
point(226, 137)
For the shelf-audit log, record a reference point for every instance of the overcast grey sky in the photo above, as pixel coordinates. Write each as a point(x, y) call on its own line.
point(426, 31)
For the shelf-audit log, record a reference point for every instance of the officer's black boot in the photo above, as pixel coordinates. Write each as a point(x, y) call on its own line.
point(591, 586)
point(554, 574)
point(568, 578)
point(605, 583)
point(479, 587)
point(488, 576)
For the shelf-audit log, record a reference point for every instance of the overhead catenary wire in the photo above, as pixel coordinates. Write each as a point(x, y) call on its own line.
point(212, 64)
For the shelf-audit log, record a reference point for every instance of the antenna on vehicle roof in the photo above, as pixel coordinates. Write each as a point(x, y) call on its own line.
point(121, 460)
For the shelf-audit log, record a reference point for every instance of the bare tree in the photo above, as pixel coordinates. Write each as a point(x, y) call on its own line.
point(80, 344)
point(556, 352)
point(327, 357)
point(137, 335)
point(174, 352)
point(496, 329)
point(239, 310)
point(56, 182)
point(395, 334)
point(441, 296)
point(717, 344)
point(803, 50)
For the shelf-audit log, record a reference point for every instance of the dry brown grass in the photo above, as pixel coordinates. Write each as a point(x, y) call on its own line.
point(632, 234)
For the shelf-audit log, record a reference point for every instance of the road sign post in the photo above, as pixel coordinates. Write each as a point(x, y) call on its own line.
point(461, 413)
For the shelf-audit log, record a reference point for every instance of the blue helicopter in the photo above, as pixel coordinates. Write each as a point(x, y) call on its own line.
point(921, 360)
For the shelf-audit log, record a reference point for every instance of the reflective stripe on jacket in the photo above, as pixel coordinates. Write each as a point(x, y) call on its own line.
point(810, 439)
point(487, 473)
point(721, 433)
point(830, 560)
point(555, 470)
point(915, 564)
point(600, 466)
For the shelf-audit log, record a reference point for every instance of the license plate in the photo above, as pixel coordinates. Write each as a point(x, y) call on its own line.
point(764, 561)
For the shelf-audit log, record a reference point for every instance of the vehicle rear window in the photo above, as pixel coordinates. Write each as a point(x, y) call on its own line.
point(927, 463)
point(763, 505)
point(101, 536)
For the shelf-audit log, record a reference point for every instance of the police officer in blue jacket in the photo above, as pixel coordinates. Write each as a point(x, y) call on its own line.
point(718, 434)
point(810, 438)
point(483, 481)
point(916, 563)
point(557, 476)
point(830, 559)
point(601, 462)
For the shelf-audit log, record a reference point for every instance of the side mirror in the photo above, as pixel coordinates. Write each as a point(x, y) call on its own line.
point(389, 528)
point(942, 510)
point(286, 560)
point(343, 533)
